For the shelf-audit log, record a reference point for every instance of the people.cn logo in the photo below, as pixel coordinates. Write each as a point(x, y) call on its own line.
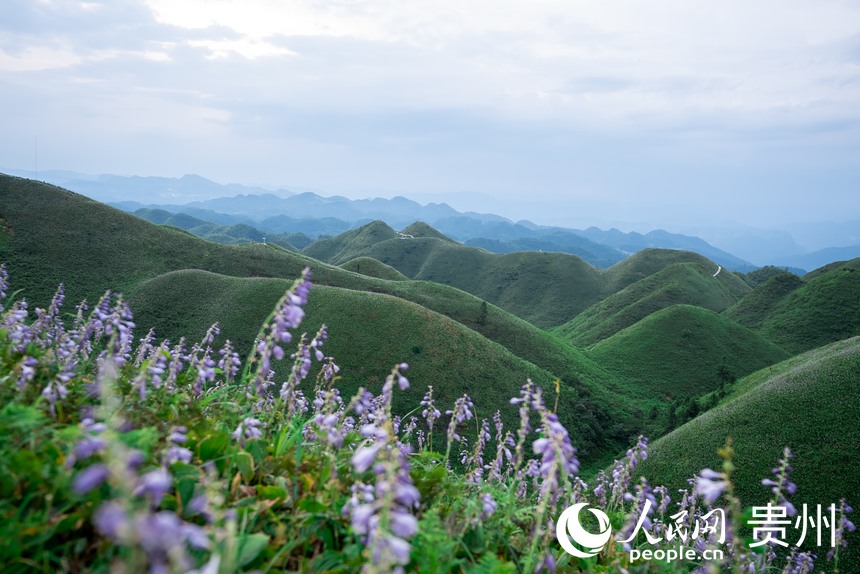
point(568, 522)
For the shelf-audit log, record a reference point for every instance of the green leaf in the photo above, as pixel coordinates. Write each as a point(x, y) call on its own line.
point(250, 547)
point(213, 446)
point(271, 493)
point(245, 463)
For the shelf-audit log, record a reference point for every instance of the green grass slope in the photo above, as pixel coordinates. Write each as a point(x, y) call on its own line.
point(49, 235)
point(805, 403)
point(687, 283)
point(757, 305)
point(678, 352)
point(649, 261)
point(566, 283)
point(350, 244)
point(421, 229)
point(825, 308)
point(372, 268)
point(370, 332)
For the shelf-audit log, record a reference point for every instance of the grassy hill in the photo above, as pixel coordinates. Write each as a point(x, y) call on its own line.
point(566, 283)
point(687, 283)
point(369, 332)
point(49, 235)
point(678, 352)
point(801, 315)
point(372, 268)
point(754, 309)
point(805, 403)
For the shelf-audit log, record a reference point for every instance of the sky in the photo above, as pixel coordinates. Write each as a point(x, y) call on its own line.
point(562, 111)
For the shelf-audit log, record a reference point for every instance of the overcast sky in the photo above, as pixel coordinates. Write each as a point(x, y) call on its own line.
point(569, 110)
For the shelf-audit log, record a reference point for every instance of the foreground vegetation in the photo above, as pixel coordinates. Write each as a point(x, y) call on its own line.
point(130, 454)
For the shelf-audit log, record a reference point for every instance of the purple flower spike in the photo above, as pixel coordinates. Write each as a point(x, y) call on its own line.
point(710, 485)
point(90, 478)
point(154, 485)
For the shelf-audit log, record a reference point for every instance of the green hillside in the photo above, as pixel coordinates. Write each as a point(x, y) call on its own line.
point(824, 308)
point(372, 268)
point(754, 309)
point(649, 261)
point(49, 235)
point(566, 283)
point(350, 244)
point(421, 229)
point(688, 283)
point(369, 332)
point(808, 403)
point(679, 351)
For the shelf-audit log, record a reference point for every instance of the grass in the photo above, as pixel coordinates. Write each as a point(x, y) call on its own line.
point(678, 352)
point(566, 283)
point(824, 308)
point(808, 403)
point(687, 283)
point(372, 268)
point(53, 236)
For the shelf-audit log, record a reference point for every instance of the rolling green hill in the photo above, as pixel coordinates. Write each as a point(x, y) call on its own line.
point(566, 284)
point(808, 403)
point(688, 283)
point(372, 268)
point(369, 332)
point(49, 235)
point(678, 352)
point(799, 316)
point(753, 310)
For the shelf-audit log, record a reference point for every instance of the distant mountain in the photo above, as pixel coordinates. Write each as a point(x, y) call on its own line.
point(116, 188)
point(632, 242)
point(229, 234)
point(820, 258)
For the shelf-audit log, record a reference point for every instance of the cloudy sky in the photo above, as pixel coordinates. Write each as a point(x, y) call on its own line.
point(562, 111)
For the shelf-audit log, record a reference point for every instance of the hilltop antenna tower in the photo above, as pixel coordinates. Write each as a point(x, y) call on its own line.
point(36, 154)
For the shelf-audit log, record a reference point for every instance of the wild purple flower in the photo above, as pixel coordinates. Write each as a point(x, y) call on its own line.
point(90, 478)
point(53, 391)
point(154, 485)
point(463, 412)
point(622, 471)
point(4, 284)
point(288, 315)
point(710, 485)
point(488, 505)
point(28, 371)
point(799, 563)
point(547, 564)
point(843, 527)
point(475, 460)
point(248, 429)
point(524, 401)
point(641, 510)
point(144, 348)
point(430, 413)
point(112, 521)
point(782, 485)
point(229, 362)
point(178, 454)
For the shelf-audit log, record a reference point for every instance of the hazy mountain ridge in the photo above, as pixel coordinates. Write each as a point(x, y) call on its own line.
point(285, 211)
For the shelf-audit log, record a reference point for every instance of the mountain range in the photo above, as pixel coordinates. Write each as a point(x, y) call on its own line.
point(664, 342)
